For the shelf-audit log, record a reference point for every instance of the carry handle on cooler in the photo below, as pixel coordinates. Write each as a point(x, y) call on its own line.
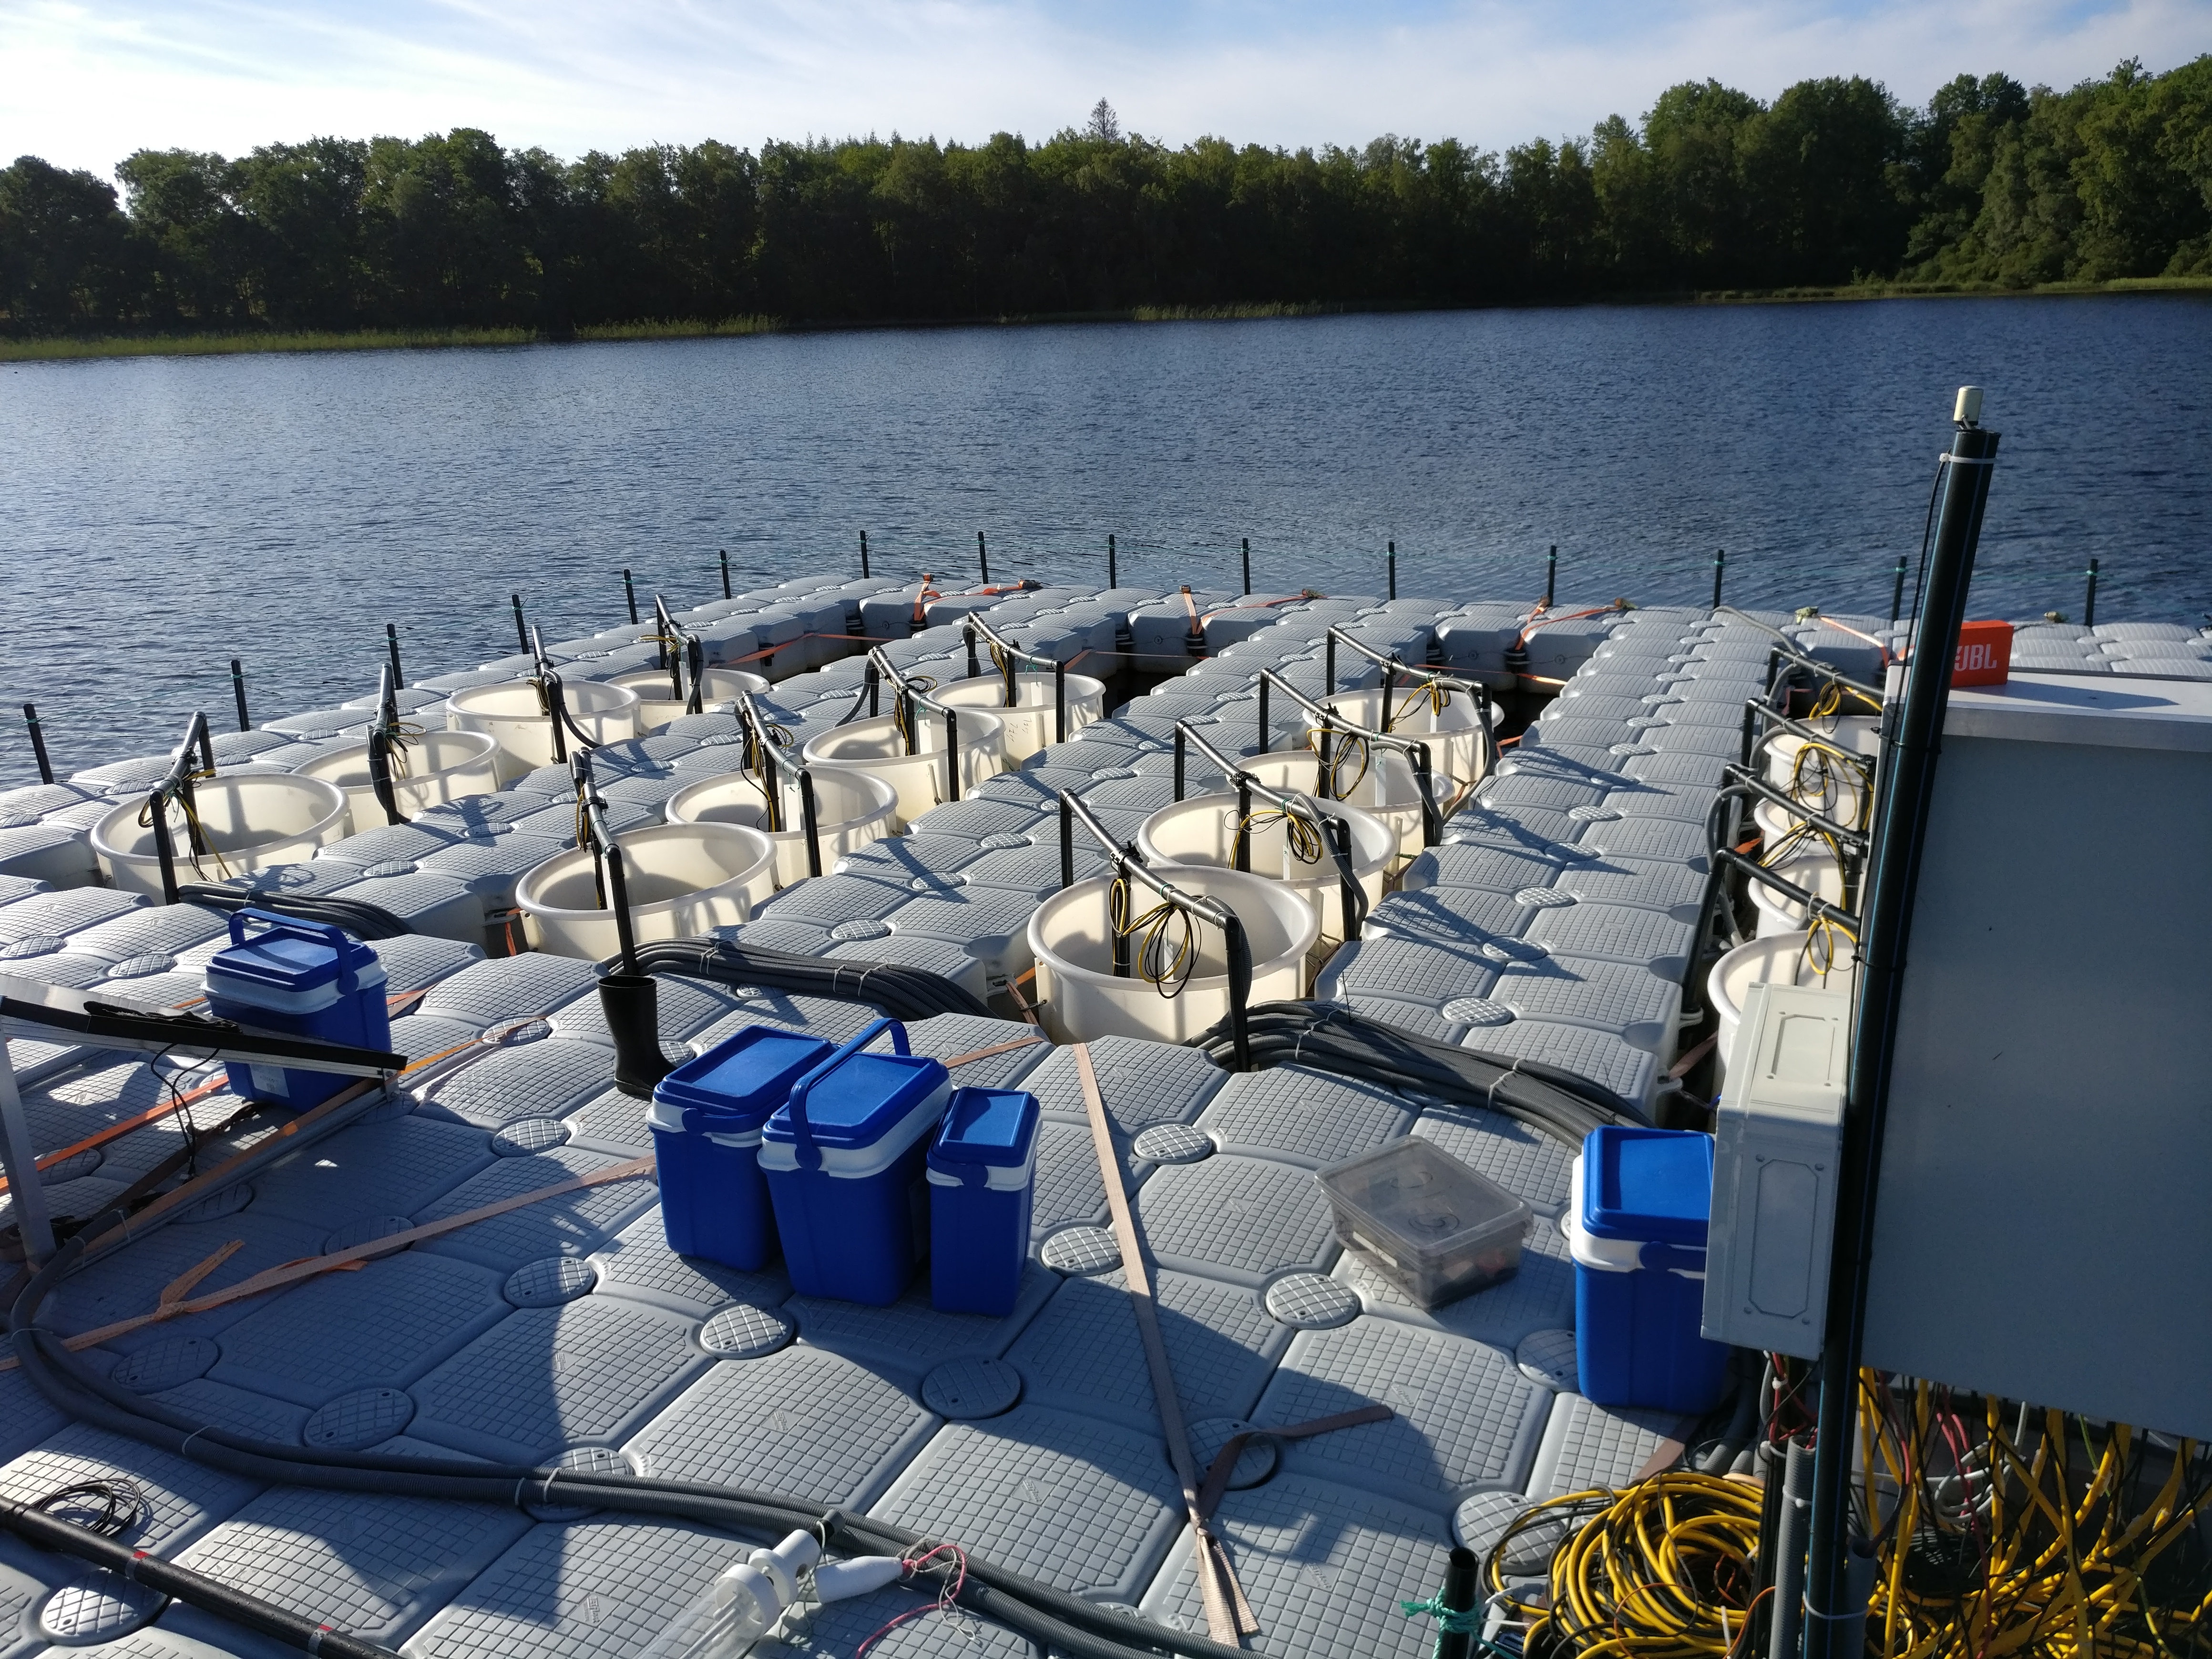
point(322, 932)
point(804, 1152)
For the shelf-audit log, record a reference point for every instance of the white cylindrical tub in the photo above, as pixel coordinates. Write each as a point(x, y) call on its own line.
point(657, 705)
point(511, 713)
point(442, 766)
point(851, 809)
point(1202, 829)
point(251, 820)
point(1455, 735)
point(875, 747)
point(1071, 935)
point(1387, 789)
point(1784, 959)
point(1813, 868)
point(1031, 723)
point(1808, 774)
point(682, 879)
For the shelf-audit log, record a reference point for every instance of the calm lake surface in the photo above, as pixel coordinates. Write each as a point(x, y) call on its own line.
point(160, 516)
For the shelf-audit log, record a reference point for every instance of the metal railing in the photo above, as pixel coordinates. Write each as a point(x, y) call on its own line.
point(1127, 865)
point(1423, 678)
point(1331, 830)
point(1007, 654)
point(764, 754)
point(192, 759)
point(1329, 725)
point(911, 700)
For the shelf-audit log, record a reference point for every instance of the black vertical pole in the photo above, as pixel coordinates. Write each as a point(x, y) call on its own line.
point(1113, 573)
point(1246, 543)
point(1394, 570)
point(629, 592)
point(1720, 564)
point(983, 558)
point(1897, 590)
point(39, 742)
point(391, 650)
point(863, 553)
point(1551, 572)
point(521, 632)
point(238, 691)
point(1461, 1570)
point(2089, 600)
point(1893, 873)
point(726, 592)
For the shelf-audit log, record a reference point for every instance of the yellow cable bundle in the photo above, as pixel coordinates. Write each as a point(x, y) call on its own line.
point(1660, 1570)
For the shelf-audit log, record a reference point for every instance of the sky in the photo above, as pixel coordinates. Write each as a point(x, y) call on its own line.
point(85, 82)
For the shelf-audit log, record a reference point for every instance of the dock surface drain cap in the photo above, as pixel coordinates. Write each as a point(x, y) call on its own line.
point(364, 1417)
point(1477, 1011)
point(1174, 1142)
point(742, 1331)
point(98, 1607)
point(1082, 1251)
point(1543, 899)
point(966, 1388)
point(1481, 1521)
point(847, 933)
point(1548, 1357)
point(1312, 1302)
point(166, 1363)
point(527, 1135)
point(1254, 1464)
point(549, 1281)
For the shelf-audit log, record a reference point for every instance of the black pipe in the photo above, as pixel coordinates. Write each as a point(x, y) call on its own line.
point(39, 742)
point(1266, 725)
point(1182, 753)
point(238, 691)
point(629, 592)
point(1893, 875)
point(1239, 849)
point(1897, 591)
point(1458, 1596)
point(521, 630)
point(1059, 703)
point(726, 594)
point(157, 809)
point(1394, 570)
point(1238, 950)
point(863, 553)
point(391, 650)
point(1551, 572)
point(811, 821)
point(1067, 846)
point(1113, 575)
point(1245, 543)
point(952, 755)
point(195, 1590)
point(2089, 599)
point(983, 558)
point(1720, 564)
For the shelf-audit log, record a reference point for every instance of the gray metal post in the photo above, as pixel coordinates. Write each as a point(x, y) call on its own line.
point(1788, 1571)
point(22, 1165)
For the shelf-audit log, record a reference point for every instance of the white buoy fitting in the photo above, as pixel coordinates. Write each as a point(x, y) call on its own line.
point(1032, 724)
point(851, 809)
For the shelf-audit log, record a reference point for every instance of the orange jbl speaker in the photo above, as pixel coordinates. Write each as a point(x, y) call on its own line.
point(1984, 653)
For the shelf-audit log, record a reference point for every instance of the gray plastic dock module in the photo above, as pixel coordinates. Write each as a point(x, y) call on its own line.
point(1301, 1116)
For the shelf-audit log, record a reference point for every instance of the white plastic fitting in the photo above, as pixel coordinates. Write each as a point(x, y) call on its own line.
point(783, 1564)
point(863, 1573)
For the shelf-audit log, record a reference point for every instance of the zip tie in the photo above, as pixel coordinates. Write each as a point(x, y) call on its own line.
point(185, 1448)
point(1490, 1099)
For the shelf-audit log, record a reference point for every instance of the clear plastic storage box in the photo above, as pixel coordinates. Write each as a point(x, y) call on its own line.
point(1435, 1228)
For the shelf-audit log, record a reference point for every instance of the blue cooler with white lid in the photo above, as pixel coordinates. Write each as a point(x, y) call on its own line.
point(1637, 1209)
point(982, 1174)
point(707, 1117)
point(844, 1157)
point(285, 977)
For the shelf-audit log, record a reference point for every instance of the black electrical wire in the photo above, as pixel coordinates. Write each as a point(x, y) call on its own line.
point(1326, 1037)
point(361, 919)
point(902, 992)
point(1065, 1624)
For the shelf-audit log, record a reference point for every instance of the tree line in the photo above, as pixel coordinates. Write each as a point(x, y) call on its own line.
point(1835, 182)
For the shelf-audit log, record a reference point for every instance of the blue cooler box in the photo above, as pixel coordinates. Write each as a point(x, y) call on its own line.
point(706, 1116)
point(1635, 1221)
point(982, 1174)
point(844, 1158)
point(304, 979)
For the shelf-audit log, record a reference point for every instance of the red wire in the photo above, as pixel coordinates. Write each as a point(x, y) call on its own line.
point(946, 1597)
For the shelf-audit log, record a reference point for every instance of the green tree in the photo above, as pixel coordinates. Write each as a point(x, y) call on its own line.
point(67, 259)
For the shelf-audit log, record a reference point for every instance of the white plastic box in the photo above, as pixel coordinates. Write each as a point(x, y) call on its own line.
point(1778, 1141)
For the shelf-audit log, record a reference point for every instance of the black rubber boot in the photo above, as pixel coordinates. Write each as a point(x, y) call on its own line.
point(632, 1006)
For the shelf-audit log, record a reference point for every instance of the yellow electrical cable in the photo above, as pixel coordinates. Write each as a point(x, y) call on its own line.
point(1168, 977)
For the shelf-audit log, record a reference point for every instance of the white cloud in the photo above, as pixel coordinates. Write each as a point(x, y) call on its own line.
point(88, 81)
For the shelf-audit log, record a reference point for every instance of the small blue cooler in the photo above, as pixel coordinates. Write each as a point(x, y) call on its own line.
point(844, 1159)
point(706, 1116)
point(303, 979)
point(982, 1171)
point(1636, 1222)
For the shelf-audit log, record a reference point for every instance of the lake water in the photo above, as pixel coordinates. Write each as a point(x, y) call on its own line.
point(163, 515)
